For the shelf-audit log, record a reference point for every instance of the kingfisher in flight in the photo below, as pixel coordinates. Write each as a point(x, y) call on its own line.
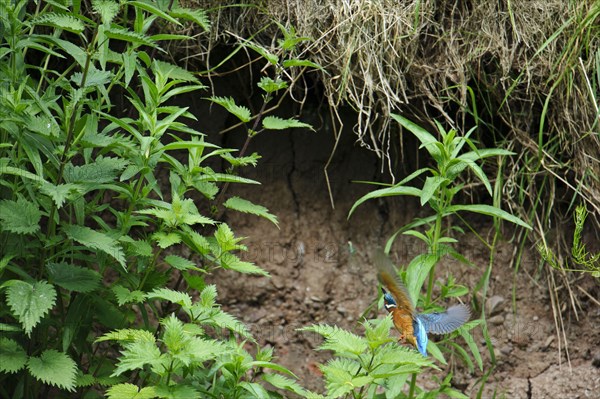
point(412, 326)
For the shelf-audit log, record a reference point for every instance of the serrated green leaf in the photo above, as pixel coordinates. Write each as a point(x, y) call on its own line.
point(241, 112)
point(208, 296)
point(30, 302)
point(225, 320)
point(84, 380)
point(93, 78)
point(60, 193)
point(177, 297)
point(165, 240)
point(245, 206)
point(208, 189)
point(102, 170)
point(124, 295)
point(127, 335)
point(241, 161)
point(60, 21)
point(180, 263)
point(270, 57)
point(107, 9)
point(269, 85)
point(119, 33)
point(202, 350)
point(20, 216)
point(276, 123)
point(342, 342)
point(136, 355)
point(197, 16)
point(174, 72)
point(180, 212)
point(54, 368)
point(401, 355)
point(230, 261)
point(96, 240)
point(13, 356)
point(338, 375)
point(196, 242)
point(130, 391)
point(380, 334)
point(73, 278)
point(227, 240)
point(138, 247)
point(175, 338)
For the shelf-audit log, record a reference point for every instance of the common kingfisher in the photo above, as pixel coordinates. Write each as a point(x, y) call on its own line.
point(412, 326)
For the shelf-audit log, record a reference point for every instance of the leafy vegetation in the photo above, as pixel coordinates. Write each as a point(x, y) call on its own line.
point(452, 155)
point(105, 183)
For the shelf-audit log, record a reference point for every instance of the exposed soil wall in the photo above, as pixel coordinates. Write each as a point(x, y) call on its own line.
point(315, 279)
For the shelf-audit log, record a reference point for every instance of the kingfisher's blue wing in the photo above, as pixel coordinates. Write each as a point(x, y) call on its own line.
point(421, 338)
point(445, 322)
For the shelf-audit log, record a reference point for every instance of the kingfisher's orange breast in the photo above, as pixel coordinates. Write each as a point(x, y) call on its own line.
point(404, 324)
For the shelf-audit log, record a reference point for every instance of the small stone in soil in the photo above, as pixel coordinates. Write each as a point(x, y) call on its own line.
point(494, 304)
point(596, 360)
point(548, 342)
point(506, 349)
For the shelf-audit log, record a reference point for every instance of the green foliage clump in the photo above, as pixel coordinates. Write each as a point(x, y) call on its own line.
point(452, 155)
point(185, 361)
point(105, 185)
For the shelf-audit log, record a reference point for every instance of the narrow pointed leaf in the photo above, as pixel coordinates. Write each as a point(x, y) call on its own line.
point(385, 192)
point(490, 211)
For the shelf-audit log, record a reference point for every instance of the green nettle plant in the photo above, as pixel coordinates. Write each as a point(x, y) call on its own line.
point(89, 263)
point(373, 366)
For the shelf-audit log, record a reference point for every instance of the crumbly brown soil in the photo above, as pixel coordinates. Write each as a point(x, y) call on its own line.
point(314, 279)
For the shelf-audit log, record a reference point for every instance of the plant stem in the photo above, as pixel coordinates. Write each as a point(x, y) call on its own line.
point(413, 383)
point(245, 147)
point(435, 251)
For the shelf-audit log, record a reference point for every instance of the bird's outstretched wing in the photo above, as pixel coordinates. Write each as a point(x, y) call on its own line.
point(386, 272)
point(445, 322)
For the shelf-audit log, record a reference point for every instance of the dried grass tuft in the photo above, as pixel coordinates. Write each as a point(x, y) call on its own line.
point(527, 71)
